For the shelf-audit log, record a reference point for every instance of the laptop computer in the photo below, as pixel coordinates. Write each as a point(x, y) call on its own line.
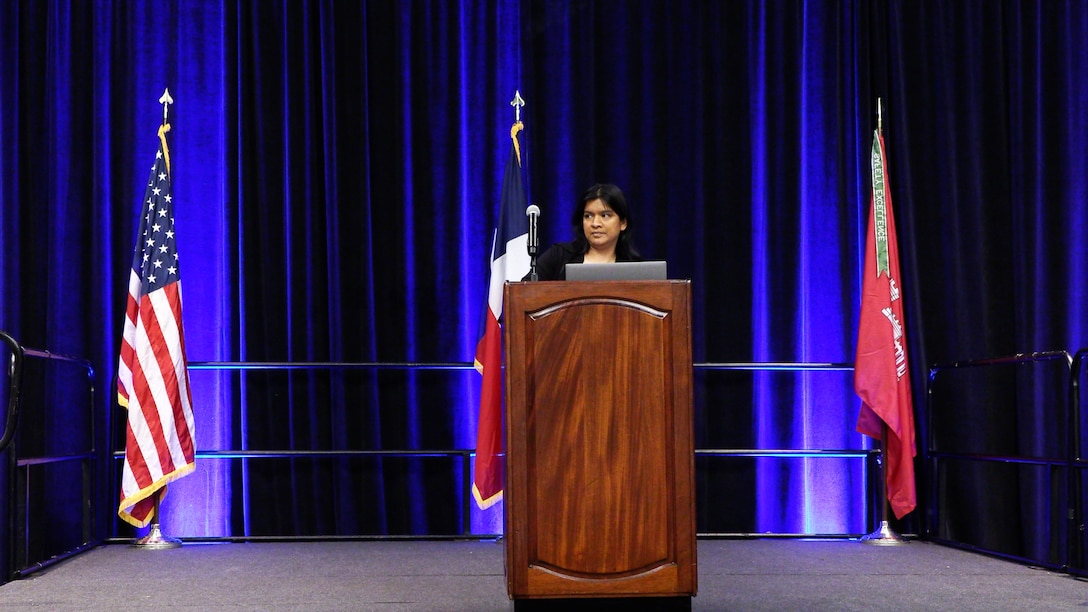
point(620, 270)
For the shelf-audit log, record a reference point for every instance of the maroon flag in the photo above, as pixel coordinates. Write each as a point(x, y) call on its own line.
point(152, 373)
point(509, 261)
point(881, 375)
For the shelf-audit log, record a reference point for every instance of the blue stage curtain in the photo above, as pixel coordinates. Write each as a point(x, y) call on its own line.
point(989, 105)
point(337, 168)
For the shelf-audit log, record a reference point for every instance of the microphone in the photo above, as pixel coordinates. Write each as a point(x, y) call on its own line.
point(532, 212)
point(533, 242)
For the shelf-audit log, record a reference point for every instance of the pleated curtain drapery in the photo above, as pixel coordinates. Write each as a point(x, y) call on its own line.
point(338, 168)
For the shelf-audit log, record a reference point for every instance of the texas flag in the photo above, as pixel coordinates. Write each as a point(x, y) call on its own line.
point(509, 262)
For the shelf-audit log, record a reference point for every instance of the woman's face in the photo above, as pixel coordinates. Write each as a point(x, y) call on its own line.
point(602, 226)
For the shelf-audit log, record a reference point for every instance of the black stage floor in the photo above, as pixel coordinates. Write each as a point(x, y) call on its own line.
point(468, 575)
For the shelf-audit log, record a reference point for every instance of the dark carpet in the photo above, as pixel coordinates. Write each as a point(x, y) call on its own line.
point(468, 575)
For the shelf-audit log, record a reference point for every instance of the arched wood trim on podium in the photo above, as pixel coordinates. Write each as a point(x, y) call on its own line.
point(600, 494)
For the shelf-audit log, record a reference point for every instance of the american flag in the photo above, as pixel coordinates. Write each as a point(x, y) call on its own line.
point(153, 375)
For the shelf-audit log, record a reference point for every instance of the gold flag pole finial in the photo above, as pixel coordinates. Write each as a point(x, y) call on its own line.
point(166, 101)
point(517, 103)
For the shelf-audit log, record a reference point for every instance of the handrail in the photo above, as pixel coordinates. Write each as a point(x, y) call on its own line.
point(933, 456)
point(465, 365)
point(19, 353)
point(792, 453)
point(791, 366)
point(320, 454)
point(325, 365)
point(16, 372)
point(1075, 544)
point(1017, 358)
point(467, 453)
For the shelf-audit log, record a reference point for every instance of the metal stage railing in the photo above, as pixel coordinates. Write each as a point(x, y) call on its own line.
point(464, 456)
point(1078, 468)
point(1061, 474)
point(1071, 462)
point(868, 457)
point(20, 533)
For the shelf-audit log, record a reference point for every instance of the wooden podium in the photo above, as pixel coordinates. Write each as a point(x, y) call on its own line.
point(600, 486)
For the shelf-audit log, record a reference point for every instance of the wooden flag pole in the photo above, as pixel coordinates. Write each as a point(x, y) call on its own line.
point(155, 540)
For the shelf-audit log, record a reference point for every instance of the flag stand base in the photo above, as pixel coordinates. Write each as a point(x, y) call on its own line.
point(155, 540)
point(883, 536)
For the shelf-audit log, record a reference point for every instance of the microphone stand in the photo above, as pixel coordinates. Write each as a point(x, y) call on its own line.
point(532, 212)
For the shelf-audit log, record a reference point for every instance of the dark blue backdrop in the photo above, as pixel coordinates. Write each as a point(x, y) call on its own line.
point(337, 168)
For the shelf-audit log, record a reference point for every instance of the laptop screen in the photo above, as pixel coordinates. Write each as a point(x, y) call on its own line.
point(620, 270)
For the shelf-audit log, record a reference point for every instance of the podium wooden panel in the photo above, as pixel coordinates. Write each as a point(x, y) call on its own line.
point(600, 486)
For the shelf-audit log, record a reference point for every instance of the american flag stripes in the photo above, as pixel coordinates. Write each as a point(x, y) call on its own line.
point(152, 374)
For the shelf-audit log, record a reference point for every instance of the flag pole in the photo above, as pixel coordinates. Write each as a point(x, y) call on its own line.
point(533, 211)
point(155, 540)
point(166, 101)
point(884, 534)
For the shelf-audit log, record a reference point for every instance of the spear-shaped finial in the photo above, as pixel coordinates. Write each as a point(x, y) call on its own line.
point(879, 117)
point(166, 101)
point(517, 103)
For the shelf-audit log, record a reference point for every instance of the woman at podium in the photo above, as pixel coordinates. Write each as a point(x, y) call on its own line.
point(602, 234)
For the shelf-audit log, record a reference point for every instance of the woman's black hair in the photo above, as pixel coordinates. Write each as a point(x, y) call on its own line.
point(613, 197)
